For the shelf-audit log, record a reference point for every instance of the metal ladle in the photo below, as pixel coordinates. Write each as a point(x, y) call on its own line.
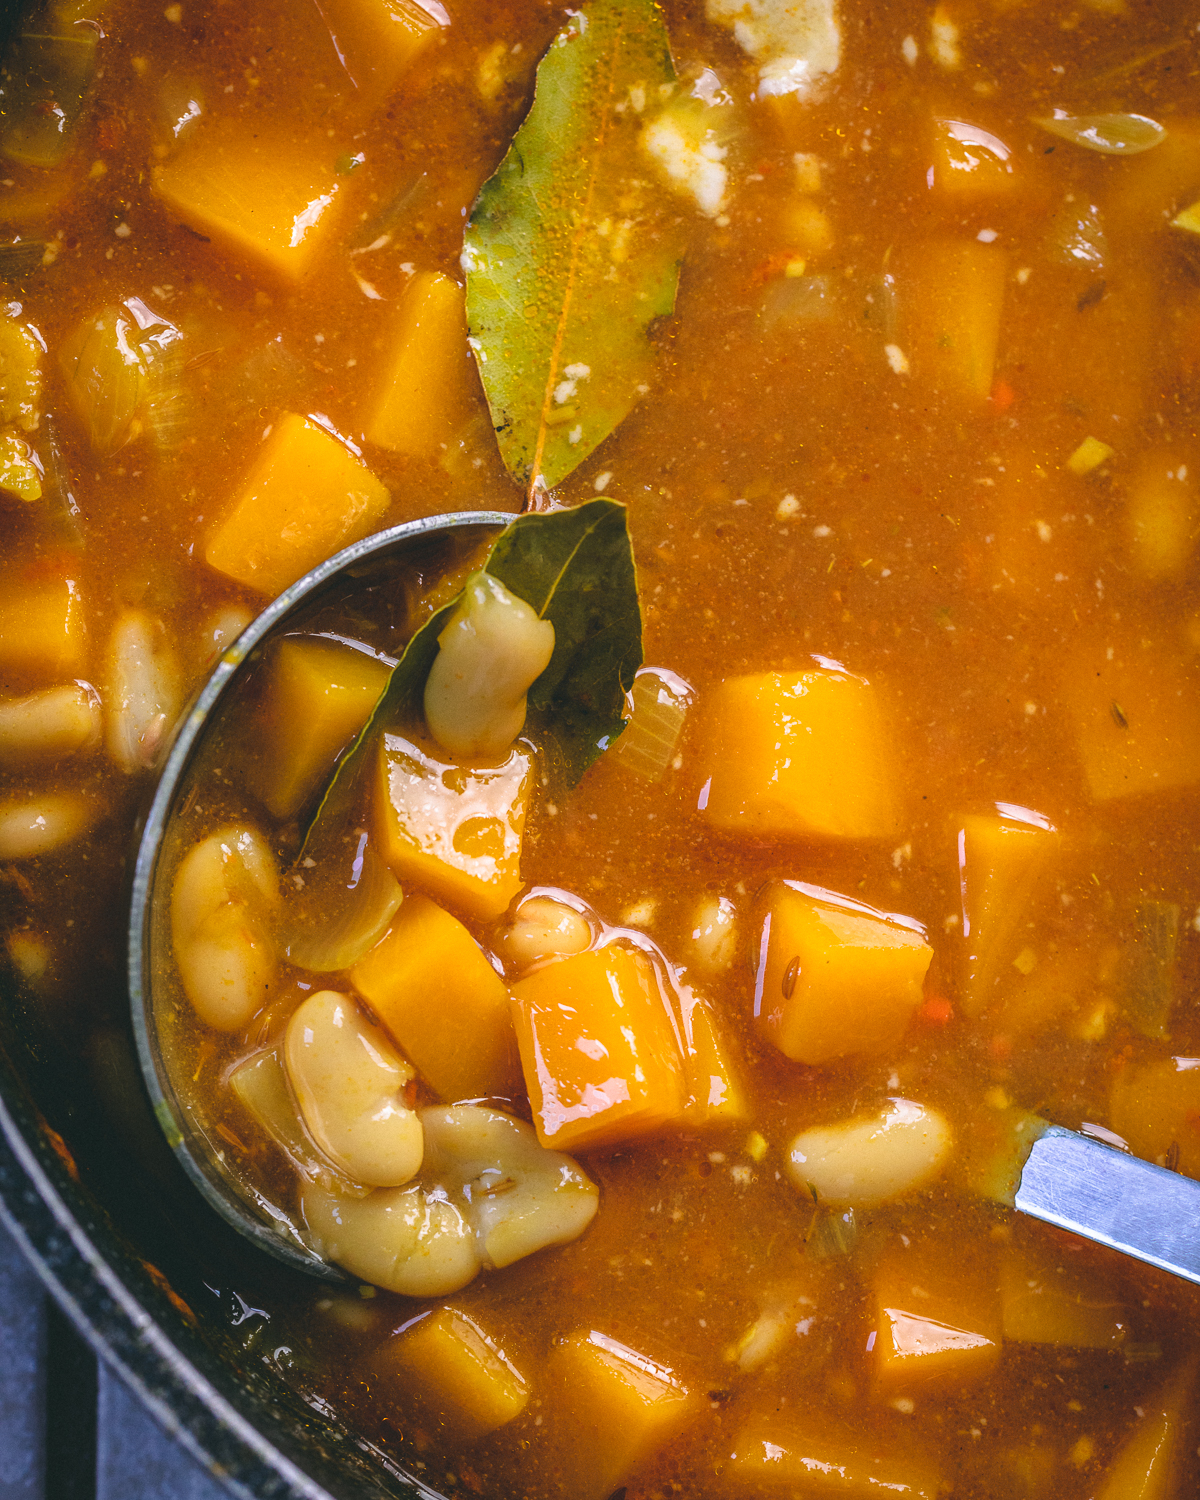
point(198, 1150)
point(1066, 1179)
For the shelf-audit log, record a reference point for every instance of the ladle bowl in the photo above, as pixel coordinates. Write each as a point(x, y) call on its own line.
point(202, 1156)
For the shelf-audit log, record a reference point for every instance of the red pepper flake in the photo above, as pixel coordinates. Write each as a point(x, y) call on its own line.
point(1000, 1047)
point(936, 1010)
point(1003, 395)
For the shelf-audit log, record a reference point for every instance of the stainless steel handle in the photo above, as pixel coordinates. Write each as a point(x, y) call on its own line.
point(1114, 1199)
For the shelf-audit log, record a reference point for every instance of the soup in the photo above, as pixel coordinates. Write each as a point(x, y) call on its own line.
point(909, 467)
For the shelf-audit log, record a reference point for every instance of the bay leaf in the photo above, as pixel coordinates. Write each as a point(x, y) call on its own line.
point(572, 250)
point(575, 568)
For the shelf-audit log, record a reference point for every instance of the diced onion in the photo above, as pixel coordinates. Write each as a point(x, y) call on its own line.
point(359, 888)
point(1112, 135)
point(660, 704)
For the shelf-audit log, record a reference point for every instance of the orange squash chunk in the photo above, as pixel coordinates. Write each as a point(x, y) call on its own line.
point(377, 40)
point(306, 495)
point(462, 1376)
point(1135, 709)
point(970, 162)
point(1001, 861)
point(834, 976)
point(454, 830)
point(431, 986)
point(616, 1409)
point(950, 296)
point(712, 1089)
point(261, 194)
point(934, 1324)
point(818, 1456)
point(319, 695)
point(598, 1049)
point(793, 753)
point(425, 385)
point(42, 635)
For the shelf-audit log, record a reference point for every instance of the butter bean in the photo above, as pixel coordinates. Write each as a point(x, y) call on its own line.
point(31, 826)
point(223, 891)
point(44, 726)
point(874, 1158)
point(489, 655)
point(544, 928)
point(348, 1081)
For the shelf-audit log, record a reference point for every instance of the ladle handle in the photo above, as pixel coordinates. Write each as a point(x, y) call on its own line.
point(1115, 1199)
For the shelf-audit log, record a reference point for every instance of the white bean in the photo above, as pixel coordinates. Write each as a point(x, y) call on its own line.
point(872, 1158)
point(489, 656)
point(55, 722)
point(222, 893)
point(221, 628)
point(544, 928)
point(142, 693)
point(32, 826)
point(348, 1081)
point(488, 1194)
point(714, 935)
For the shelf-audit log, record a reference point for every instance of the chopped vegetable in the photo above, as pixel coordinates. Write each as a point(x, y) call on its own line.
point(1148, 990)
point(352, 879)
point(832, 1233)
point(939, 1323)
point(46, 76)
point(660, 705)
point(1112, 135)
point(619, 1408)
point(443, 1003)
point(20, 469)
point(1188, 218)
point(1090, 454)
point(466, 1382)
point(20, 374)
point(797, 753)
point(118, 366)
point(307, 493)
point(42, 632)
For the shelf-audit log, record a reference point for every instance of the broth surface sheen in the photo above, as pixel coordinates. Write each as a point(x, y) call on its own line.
point(917, 471)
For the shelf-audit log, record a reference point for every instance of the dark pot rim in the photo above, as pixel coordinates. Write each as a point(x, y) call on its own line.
point(121, 1304)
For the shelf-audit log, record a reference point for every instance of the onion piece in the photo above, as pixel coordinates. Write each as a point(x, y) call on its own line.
point(350, 881)
point(1112, 135)
point(660, 705)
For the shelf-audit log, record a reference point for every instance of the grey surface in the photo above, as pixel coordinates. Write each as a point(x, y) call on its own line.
point(22, 1376)
point(1114, 1199)
point(135, 1459)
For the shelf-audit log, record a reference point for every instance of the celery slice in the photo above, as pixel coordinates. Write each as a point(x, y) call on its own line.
point(1111, 135)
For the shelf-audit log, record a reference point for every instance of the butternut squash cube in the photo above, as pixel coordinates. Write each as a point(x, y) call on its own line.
point(1001, 861)
point(935, 1325)
point(425, 385)
point(819, 1456)
point(431, 986)
point(1135, 708)
point(970, 162)
point(712, 1089)
point(1145, 1468)
point(835, 977)
point(42, 634)
point(617, 1408)
point(305, 496)
point(455, 830)
point(377, 40)
point(1161, 513)
point(1156, 1106)
point(1049, 1296)
point(797, 753)
point(598, 1049)
point(950, 297)
point(459, 1374)
point(319, 695)
point(257, 193)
